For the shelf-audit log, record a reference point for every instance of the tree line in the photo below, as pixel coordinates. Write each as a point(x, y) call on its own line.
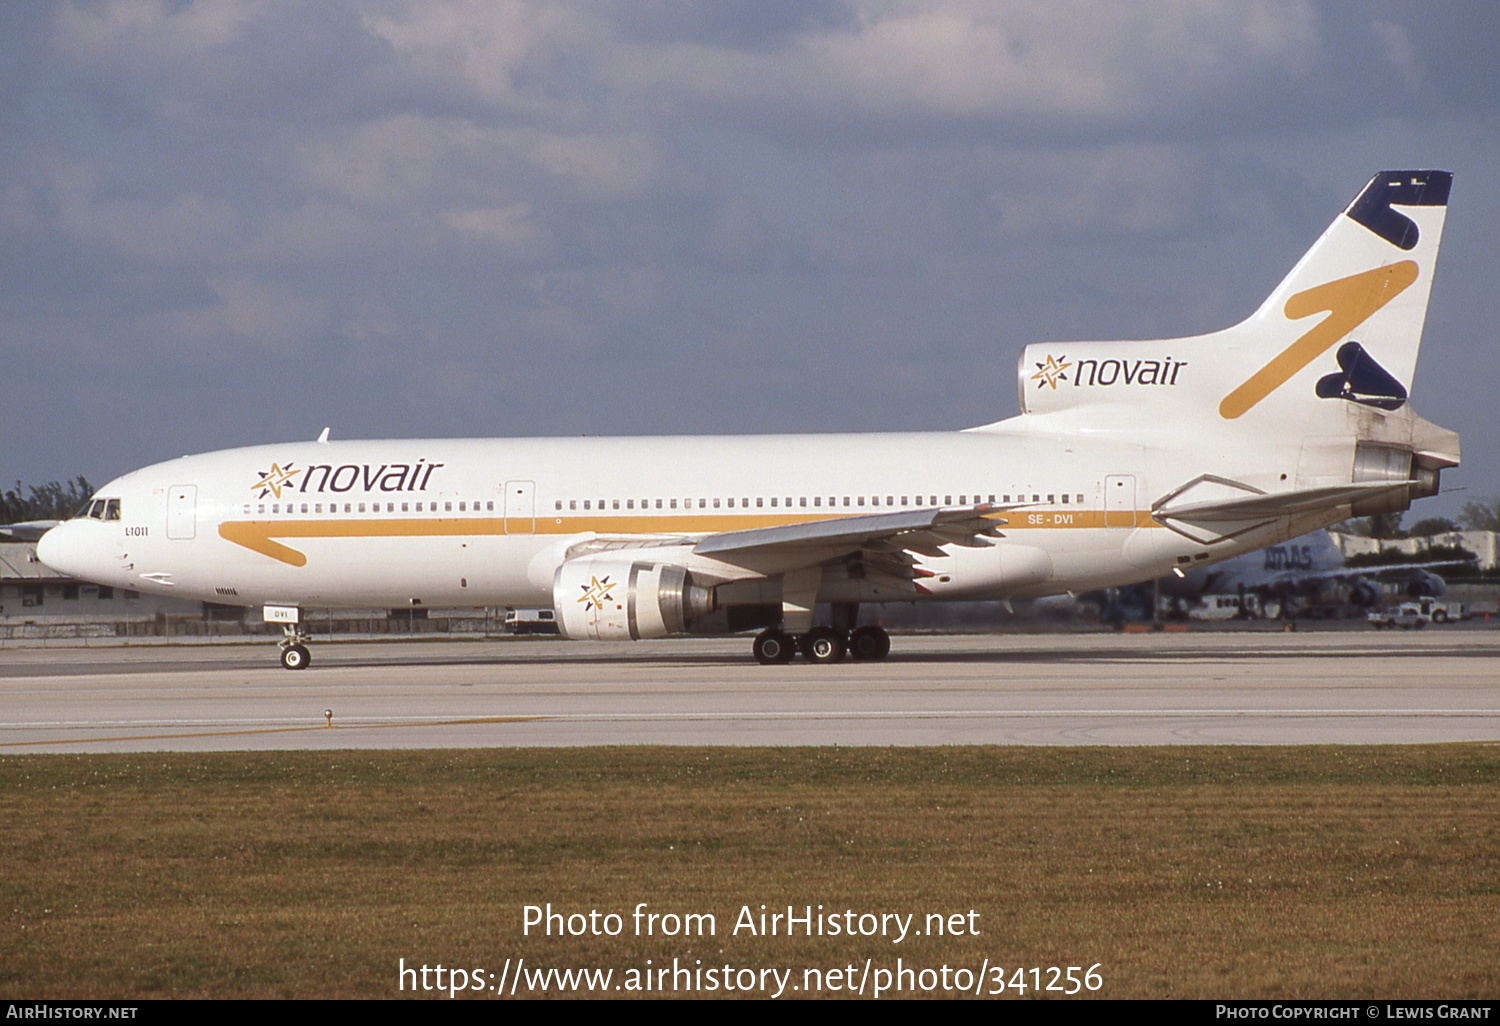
point(55, 500)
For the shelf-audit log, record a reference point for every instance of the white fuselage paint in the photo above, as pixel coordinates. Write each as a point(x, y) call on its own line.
point(350, 511)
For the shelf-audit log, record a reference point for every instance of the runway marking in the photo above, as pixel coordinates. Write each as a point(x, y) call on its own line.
point(376, 723)
point(270, 730)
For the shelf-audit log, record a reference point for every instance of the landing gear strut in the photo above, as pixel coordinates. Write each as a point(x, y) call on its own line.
point(294, 653)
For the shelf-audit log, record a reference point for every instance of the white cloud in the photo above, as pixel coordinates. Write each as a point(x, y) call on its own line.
point(1400, 52)
point(188, 228)
point(268, 315)
point(1124, 188)
point(508, 228)
point(984, 59)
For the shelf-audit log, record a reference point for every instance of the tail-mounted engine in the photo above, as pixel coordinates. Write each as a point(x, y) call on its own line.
point(607, 598)
point(1386, 463)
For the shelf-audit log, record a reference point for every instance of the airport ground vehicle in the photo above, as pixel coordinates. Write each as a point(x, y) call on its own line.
point(530, 621)
point(1129, 460)
point(1417, 614)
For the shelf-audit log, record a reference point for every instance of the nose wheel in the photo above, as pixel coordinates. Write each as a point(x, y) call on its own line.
point(294, 653)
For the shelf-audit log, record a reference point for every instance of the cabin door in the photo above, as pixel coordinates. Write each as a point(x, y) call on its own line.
point(520, 507)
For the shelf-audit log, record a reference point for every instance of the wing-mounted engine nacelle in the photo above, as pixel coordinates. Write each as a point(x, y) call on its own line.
point(610, 598)
point(1426, 585)
point(1364, 592)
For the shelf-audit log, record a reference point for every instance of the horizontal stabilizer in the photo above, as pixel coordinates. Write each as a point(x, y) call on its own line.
point(1279, 504)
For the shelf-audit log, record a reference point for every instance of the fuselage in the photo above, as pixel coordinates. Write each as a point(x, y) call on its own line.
point(461, 522)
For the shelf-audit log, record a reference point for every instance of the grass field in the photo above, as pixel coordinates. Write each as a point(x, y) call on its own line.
point(1184, 872)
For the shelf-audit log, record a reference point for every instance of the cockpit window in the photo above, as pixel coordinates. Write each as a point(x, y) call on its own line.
point(103, 509)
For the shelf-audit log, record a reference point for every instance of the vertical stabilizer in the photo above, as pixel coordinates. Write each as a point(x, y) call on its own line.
point(1336, 339)
point(1346, 323)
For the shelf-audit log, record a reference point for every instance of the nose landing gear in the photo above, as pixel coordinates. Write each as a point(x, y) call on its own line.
point(294, 653)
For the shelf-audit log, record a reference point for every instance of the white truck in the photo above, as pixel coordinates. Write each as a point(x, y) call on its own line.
point(1416, 614)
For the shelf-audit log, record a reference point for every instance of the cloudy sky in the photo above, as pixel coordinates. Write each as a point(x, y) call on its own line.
point(237, 222)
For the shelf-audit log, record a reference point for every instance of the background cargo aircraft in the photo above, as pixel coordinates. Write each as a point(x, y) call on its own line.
point(1130, 459)
point(1305, 576)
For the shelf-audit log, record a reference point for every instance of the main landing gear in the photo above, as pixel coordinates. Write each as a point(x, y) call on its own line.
point(294, 653)
point(821, 645)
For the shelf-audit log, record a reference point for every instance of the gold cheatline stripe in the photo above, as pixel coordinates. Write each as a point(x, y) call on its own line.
point(1349, 302)
point(259, 535)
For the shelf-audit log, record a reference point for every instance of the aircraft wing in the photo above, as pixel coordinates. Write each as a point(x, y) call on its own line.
point(893, 535)
point(885, 541)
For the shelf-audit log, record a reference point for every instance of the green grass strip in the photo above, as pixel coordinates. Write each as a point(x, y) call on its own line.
point(1361, 872)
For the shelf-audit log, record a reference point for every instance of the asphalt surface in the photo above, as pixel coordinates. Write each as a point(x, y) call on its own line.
point(1070, 689)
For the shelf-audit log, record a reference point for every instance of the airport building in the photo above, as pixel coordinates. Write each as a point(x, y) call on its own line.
point(1484, 544)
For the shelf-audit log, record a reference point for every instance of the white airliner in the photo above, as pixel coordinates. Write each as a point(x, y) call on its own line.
point(1129, 460)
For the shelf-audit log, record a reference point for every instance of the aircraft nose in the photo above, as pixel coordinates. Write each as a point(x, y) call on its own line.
point(58, 548)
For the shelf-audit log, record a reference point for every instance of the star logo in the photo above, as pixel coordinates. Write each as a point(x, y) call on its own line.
point(274, 480)
point(596, 593)
point(1051, 372)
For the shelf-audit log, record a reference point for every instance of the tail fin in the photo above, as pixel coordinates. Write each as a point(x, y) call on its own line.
point(1369, 275)
point(1343, 327)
